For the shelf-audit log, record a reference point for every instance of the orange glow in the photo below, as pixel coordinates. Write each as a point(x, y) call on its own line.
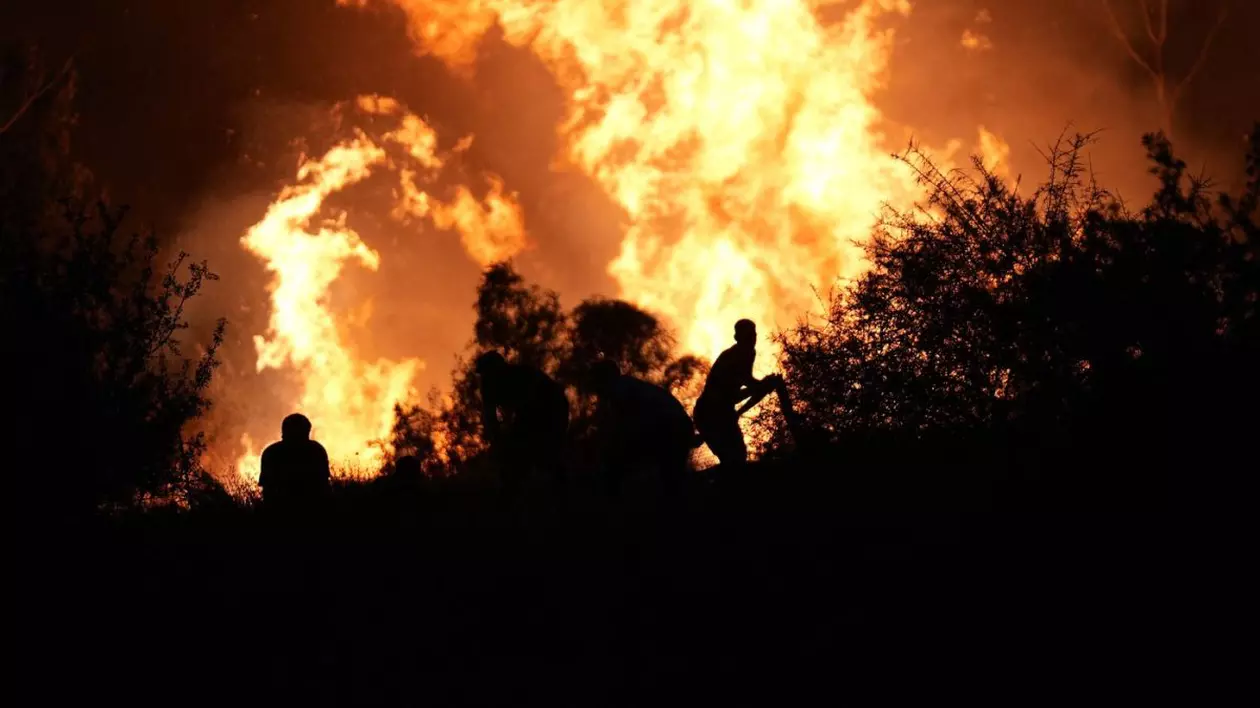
point(995, 154)
point(739, 138)
point(348, 398)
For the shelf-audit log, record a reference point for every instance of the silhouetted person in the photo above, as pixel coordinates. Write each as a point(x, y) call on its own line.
point(407, 471)
point(403, 491)
point(535, 418)
point(730, 381)
point(640, 424)
point(406, 477)
point(295, 470)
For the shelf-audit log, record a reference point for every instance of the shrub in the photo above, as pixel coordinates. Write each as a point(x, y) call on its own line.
point(99, 390)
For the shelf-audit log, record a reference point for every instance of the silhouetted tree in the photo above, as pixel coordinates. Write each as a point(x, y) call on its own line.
point(523, 322)
point(684, 376)
point(1153, 58)
point(1059, 317)
point(98, 389)
point(635, 339)
point(414, 434)
point(527, 325)
point(617, 330)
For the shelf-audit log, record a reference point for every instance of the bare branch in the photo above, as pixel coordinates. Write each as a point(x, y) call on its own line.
point(31, 99)
point(1203, 51)
point(1158, 34)
point(1118, 31)
point(1146, 21)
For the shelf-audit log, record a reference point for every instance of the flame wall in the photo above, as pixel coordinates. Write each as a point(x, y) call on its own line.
point(739, 142)
point(709, 160)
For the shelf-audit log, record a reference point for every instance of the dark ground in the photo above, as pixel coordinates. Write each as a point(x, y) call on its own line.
point(747, 596)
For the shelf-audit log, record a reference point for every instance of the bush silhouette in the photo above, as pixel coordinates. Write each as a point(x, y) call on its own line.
point(527, 325)
point(1058, 320)
point(98, 385)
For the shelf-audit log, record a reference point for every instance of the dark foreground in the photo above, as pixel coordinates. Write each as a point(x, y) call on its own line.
point(737, 597)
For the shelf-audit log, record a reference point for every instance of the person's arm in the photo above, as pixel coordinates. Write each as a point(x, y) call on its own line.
point(763, 388)
point(325, 468)
point(752, 388)
point(754, 397)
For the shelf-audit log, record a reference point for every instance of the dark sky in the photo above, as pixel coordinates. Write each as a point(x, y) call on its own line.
point(168, 90)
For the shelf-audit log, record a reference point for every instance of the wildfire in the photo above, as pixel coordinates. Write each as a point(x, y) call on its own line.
point(350, 400)
point(738, 137)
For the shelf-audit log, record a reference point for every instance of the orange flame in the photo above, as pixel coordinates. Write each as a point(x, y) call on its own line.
point(740, 140)
point(738, 137)
point(350, 400)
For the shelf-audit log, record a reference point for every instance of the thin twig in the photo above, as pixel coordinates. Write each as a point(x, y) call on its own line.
point(1146, 21)
point(30, 100)
point(1203, 52)
point(1118, 31)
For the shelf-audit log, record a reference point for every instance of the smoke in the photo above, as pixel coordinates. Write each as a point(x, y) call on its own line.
point(168, 88)
point(1029, 70)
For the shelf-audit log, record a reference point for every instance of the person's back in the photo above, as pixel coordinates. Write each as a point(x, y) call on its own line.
point(529, 398)
point(295, 470)
point(649, 414)
point(529, 393)
point(639, 423)
point(408, 472)
point(536, 417)
point(730, 373)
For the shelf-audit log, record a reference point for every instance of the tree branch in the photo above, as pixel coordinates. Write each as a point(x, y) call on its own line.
point(1203, 52)
point(1146, 21)
point(1159, 36)
point(1118, 31)
point(1163, 22)
point(31, 99)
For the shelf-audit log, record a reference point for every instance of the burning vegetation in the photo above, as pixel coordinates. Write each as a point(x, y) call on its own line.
point(749, 173)
point(752, 177)
point(938, 339)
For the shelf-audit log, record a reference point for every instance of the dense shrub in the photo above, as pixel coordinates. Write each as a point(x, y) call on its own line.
point(1060, 319)
point(98, 391)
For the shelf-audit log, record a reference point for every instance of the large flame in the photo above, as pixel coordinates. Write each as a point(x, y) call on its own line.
point(350, 400)
point(738, 136)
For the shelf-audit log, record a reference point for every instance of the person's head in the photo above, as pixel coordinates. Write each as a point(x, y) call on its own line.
point(407, 466)
point(603, 373)
point(295, 427)
point(746, 332)
point(490, 366)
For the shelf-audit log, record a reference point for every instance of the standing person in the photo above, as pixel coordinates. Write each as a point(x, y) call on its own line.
point(525, 416)
point(640, 423)
point(295, 470)
point(730, 381)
